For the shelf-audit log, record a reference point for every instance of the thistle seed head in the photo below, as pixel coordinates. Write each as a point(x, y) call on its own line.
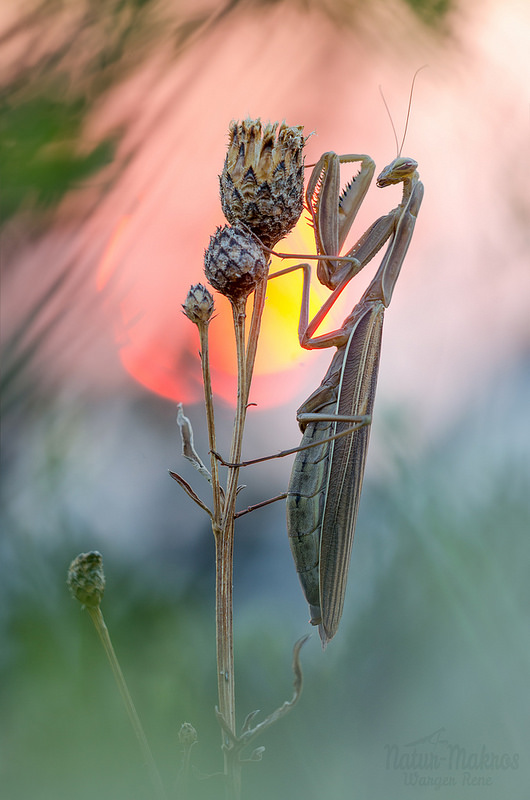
point(234, 262)
point(262, 182)
point(198, 305)
point(86, 579)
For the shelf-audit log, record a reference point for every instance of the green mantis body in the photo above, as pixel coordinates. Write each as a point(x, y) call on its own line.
point(326, 480)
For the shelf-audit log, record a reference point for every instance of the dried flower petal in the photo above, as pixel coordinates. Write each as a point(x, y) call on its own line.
point(86, 579)
point(234, 262)
point(262, 181)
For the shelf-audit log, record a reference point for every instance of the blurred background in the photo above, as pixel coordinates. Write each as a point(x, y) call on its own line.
point(113, 132)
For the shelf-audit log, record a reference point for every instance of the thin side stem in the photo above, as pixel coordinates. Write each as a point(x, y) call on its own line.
point(245, 367)
point(241, 410)
point(101, 628)
point(255, 326)
point(208, 399)
point(239, 314)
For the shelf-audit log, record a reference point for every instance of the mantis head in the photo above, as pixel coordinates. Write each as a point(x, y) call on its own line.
point(398, 171)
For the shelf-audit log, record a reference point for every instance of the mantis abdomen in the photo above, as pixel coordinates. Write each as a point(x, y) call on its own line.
point(326, 480)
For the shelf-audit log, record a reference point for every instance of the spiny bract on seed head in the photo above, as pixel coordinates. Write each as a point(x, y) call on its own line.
point(262, 182)
point(234, 263)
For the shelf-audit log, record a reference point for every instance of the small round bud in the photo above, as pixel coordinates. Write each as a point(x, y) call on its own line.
point(86, 579)
point(234, 262)
point(187, 734)
point(198, 305)
point(262, 182)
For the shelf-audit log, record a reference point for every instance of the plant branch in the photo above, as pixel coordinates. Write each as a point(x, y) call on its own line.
point(190, 492)
point(101, 628)
point(210, 420)
point(237, 743)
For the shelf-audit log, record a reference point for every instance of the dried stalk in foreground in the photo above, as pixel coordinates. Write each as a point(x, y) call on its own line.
point(262, 197)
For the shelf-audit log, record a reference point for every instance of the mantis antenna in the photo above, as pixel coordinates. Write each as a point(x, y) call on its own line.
point(400, 148)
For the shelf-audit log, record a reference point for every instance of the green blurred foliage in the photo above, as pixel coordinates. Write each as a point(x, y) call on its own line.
point(49, 94)
point(431, 12)
point(40, 137)
point(47, 100)
point(434, 638)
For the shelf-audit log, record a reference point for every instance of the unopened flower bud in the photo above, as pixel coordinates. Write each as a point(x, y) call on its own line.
point(187, 734)
point(198, 305)
point(234, 262)
point(86, 579)
point(262, 182)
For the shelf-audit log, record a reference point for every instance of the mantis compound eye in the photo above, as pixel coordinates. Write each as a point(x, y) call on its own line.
point(407, 165)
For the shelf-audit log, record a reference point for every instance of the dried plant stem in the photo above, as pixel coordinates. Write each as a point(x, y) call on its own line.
point(225, 539)
point(255, 326)
point(101, 628)
point(224, 571)
point(225, 654)
point(210, 420)
point(246, 357)
point(239, 315)
point(223, 530)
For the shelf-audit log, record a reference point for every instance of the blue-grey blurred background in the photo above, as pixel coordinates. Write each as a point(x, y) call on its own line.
point(114, 119)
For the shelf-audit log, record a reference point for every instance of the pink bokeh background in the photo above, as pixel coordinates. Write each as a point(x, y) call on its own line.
point(461, 305)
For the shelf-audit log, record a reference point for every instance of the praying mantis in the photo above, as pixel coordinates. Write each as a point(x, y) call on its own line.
point(327, 475)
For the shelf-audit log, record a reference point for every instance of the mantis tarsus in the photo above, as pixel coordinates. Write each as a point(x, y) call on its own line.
point(326, 480)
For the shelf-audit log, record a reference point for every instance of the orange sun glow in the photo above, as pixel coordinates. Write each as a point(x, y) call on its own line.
point(159, 348)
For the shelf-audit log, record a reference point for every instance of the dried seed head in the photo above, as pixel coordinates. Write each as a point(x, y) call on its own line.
point(262, 182)
point(234, 262)
point(86, 579)
point(198, 305)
